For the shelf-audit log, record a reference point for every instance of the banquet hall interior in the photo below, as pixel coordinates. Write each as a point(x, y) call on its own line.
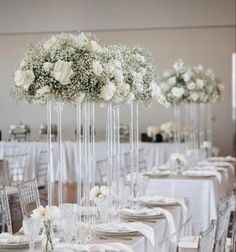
point(118, 125)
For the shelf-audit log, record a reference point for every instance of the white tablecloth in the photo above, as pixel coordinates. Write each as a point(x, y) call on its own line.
point(155, 154)
point(203, 193)
point(141, 244)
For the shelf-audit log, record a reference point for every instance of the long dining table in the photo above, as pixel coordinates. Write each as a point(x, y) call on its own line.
point(203, 193)
point(164, 242)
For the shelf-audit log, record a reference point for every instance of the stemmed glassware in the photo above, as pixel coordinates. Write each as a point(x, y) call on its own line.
point(31, 230)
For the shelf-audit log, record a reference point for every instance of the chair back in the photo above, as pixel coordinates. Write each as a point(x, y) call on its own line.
point(20, 132)
point(101, 171)
point(42, 169)
point(17, 166)
point(206, 238)
point(223, 216)
point(124, 133)
point(4, 173)
point(5, 215)
point(29, 196)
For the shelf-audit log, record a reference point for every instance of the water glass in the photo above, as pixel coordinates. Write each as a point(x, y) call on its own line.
point(69, 228)
point(31, 228)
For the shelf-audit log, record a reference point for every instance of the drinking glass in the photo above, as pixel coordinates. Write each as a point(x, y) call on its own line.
point(69, 228)
point(31, 228)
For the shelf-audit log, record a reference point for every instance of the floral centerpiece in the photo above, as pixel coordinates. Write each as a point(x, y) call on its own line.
point(184, 83)
point(100, 195)
point(71, 68)
point(47, 215)
point(179, 161)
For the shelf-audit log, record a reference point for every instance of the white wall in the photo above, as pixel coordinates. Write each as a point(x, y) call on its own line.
point(197, 31)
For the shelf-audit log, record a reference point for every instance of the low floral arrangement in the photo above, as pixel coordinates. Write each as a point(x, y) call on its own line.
point(71, 68)
point(47, 216)
point(99, 192)
point(179, 159)
point(183, 83)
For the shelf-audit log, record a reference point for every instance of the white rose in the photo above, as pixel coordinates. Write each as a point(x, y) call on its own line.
point(138, 78)
point(47, 66)
point(93, 46)
point(164, 86)
point(194, 96)
point(130, 98)
point(139, 87)
point(22, 64)
point(38, 213)
point(178, 66)
point(187, 76)
point(62, 71)
point(191, 86)
point(79, 98)
point(221, 86)
point(117, 64)
point(81, 39)
point(49, 43)
point(172, 80)
point(108, 91)
point(119, 76)
point(42, 91)
point(24, 78)
point(179, 158)
point(162, 100)
point(94, 192)
point(140, 58)
point(124, 88)
point(155, 89)
point(177, 92)
point(167, 73)
point(200, 83)
point(104, 190)
point(97, 68)
point(52, 213)
point(143, 71)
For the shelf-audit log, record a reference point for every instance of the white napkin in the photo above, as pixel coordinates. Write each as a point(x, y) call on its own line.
point(139, 212)
point(7, 238)
point(189, 242)
point(170, 222)
point(227, 158)
point(218, 164)
point(159, 171)
point(203, 173)
point(116, 247)
point(210, 168)
point(144, 229)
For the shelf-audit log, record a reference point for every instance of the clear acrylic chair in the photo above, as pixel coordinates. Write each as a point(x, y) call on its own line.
point(101, 172)
point(202, 243)
point(5, 215)
point(42, 169)
point(223, 216)
point(17, 166)
point(29, 196)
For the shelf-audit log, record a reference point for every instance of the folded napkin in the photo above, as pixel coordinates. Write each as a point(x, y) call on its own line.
point(159, 171)
point(140, 227)
point(227, 159)
point(203, 173)
point(218, 164)
point(210, 168)
point(114, 247)
point(171, 224)
point(140, 212)
point(7, 238)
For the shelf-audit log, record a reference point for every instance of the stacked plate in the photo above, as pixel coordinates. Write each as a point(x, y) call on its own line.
point(157, 201)
point(140, 214)
point(114, 229)
point(10, 241)
point(157, 174)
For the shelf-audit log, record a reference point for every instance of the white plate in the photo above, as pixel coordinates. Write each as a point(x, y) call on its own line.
point(158, 203)
point(115, 232)
point(142, 214)
point(156, 175)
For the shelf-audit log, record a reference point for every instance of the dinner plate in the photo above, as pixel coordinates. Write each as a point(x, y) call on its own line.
point(156, 175)
point(158, 203)
point(141, 214)
point(115, 231)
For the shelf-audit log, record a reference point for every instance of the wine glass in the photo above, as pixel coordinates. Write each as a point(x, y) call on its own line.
point(31, 228)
